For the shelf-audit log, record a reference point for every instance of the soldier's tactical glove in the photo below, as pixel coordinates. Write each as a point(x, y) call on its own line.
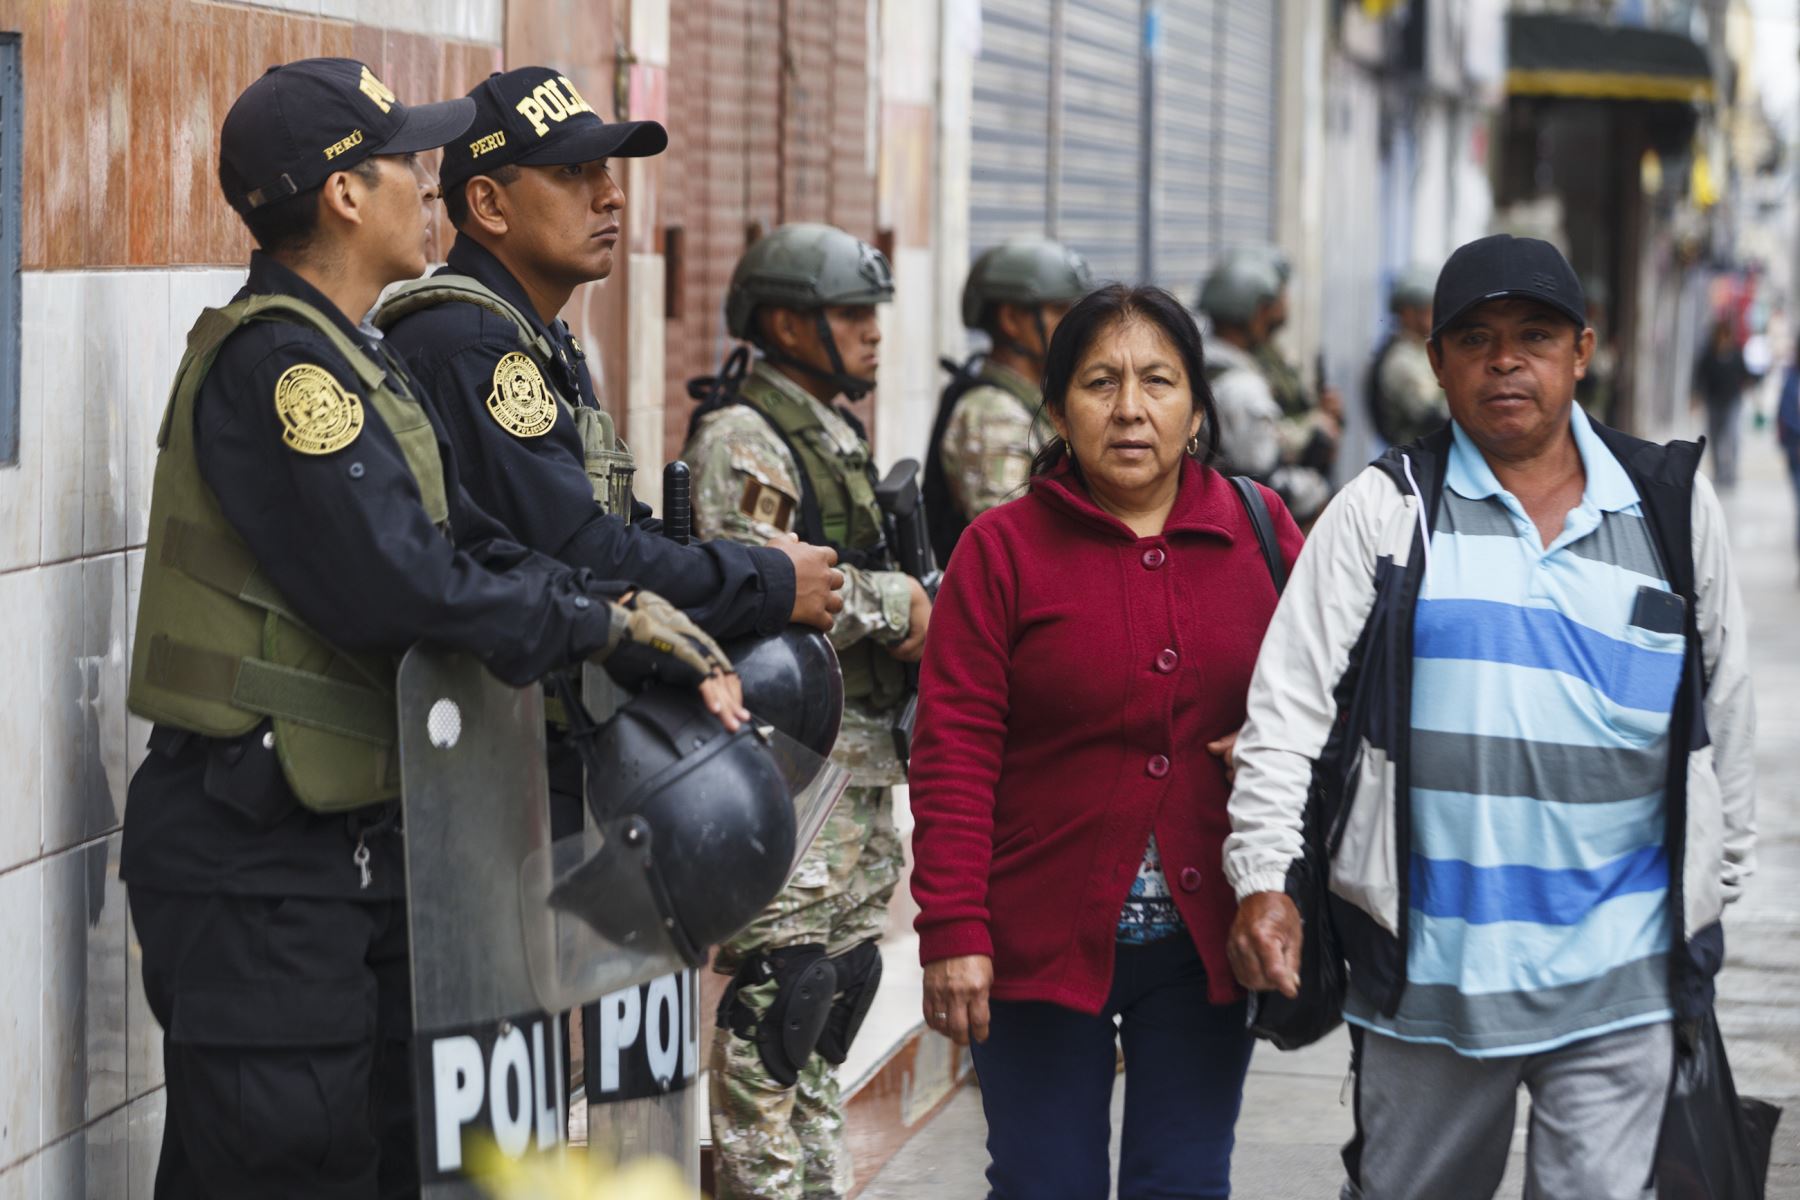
point(652, 639)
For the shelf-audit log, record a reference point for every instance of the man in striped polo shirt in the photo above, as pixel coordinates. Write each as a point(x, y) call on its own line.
point(1542, 830)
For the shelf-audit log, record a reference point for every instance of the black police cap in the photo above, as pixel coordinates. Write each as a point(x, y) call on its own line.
point(533, 116)
point(1501, 266)
point(300, 122)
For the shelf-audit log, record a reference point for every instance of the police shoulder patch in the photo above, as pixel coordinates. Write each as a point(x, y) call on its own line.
point(521, 403)
point(317, 415)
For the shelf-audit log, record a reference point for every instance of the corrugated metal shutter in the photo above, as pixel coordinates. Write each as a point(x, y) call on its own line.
point(1185, 146)
point(1245, 102)
point(1102, 123)
point(1009, 181)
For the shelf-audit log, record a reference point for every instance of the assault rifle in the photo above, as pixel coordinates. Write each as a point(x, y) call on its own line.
point(909, 541)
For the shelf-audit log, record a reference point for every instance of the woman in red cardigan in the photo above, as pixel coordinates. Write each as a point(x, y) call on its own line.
point(1081, 691)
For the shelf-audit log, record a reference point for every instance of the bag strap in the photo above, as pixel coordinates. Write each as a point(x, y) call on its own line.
point(1264, 525)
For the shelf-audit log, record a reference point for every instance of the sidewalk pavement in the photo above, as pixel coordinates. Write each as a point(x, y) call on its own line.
point(1293, 1122)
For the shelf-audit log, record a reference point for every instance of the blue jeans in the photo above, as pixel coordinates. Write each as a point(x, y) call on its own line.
point(1047, 1077)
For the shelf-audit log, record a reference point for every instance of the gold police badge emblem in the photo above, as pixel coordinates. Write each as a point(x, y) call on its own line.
point(317, 415)
point(520, 402)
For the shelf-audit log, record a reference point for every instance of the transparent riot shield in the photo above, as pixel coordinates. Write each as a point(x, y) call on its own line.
point(642, 1038)
point(488, 1055)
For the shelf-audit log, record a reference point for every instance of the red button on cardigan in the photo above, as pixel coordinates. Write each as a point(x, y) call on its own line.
point(1043, 702)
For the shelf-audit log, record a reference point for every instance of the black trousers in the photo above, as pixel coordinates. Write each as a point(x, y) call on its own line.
point(285, 1041)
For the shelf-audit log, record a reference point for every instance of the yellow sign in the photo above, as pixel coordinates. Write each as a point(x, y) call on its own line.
point(520, 402)
point(317, 415)
point(376, 90)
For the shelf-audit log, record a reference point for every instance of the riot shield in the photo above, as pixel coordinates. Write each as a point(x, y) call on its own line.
point(499, 948)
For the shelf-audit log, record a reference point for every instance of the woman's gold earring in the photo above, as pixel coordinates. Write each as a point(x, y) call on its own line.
point(1194, 446)
point(1068, 449)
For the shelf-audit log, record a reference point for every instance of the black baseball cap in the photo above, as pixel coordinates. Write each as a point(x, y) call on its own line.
point(1500, 266)
point(533, 116)
point(300, 122)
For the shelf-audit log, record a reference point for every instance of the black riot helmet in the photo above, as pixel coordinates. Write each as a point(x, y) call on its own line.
point(704, 817)
point(793, 682)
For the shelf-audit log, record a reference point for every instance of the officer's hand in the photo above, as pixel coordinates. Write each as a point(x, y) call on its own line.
point(652, 639)
point(956, 997)
point(817, 582)
point(1264, 945)
point(912, 648)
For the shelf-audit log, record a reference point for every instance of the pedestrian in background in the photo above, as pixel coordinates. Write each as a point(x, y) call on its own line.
point(1244, 299)
point(1787, 429)
point(1553, 800)
point(1082, 688)
point(1405, 401)
point(1720, 378)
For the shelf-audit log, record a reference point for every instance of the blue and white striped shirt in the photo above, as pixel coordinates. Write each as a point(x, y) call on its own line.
point(1543, 680)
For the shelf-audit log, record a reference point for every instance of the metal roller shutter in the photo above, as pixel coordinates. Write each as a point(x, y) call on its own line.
point(1102, 124)
point(1009, 184)
point(1184, 146)
point(1245, 127)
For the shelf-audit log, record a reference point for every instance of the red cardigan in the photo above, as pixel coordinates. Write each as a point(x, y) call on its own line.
point(1073, 676)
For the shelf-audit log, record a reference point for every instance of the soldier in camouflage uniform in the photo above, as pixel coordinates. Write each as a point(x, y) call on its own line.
point(1243, 298)
point(1405, 400)
point(991, 422)
point(770, 453)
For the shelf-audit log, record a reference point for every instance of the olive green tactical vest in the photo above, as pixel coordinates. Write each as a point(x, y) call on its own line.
point(217, 648)
point(1020, 389)
point(851, 517)
point(607, 460)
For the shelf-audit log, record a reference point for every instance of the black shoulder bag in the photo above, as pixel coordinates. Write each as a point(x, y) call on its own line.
point(1319, 1006)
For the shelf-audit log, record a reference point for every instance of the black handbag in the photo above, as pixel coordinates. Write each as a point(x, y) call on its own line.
point(1319, 1007)
point(1715, 1145)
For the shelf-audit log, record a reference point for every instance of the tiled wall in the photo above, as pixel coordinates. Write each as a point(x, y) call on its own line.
point(80, 1060)
point(122, 104)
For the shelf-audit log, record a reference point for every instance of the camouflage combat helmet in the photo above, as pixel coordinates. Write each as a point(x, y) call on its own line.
point(1237, 287)
point(1268, 254)
point(1413, 288)
point(1024, 271)
point(805, 267)
point(809, 268)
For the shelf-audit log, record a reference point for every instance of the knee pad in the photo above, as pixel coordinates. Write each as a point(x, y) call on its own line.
point(788, 1032)
point(858, 977)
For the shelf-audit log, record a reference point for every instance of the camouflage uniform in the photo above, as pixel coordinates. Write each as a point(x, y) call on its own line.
point(773, 1143)
point(995, 429)
point(1407, 389)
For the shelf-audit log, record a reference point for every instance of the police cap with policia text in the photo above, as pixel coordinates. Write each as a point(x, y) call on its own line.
point(297, 124)
point(534, 117)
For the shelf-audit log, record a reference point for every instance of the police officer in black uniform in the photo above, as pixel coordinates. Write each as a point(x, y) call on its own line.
point(530, 190)
point(307, 527)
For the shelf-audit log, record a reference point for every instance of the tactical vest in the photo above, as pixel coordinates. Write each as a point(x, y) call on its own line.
point(217, 648)
point(944, 518)
point(607, 460)
point(842, 488)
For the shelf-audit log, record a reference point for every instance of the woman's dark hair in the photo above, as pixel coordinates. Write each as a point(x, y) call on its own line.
point(1105, 309)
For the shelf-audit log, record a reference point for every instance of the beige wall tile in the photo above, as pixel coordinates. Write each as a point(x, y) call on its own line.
point(144, 1122)
point(54, 340)
point(103, 410)
point(21, 1012)
point(20, 1181)
point(153, 355)
point(84, 993)
point(21, 722)
point(89, 1164)
point(84, 673)
point(22, 486)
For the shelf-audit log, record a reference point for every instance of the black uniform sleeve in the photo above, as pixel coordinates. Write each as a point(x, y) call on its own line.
point(345, 538)
point(538, 488)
